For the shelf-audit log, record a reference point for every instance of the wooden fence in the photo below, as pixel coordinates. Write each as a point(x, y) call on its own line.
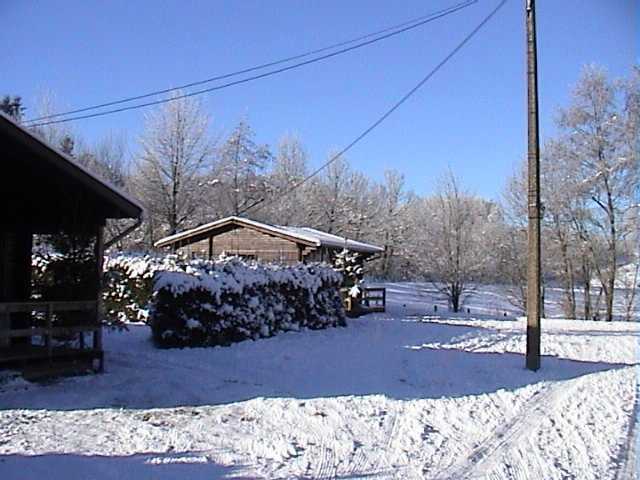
point(374, 299)
point(43, 313)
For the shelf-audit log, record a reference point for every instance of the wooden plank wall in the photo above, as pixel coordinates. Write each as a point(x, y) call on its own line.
point(15, 276)
point(248, 242)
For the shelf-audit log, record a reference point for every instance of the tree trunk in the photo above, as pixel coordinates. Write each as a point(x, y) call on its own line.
point(613, 257)
point(631, 294)
point(587, 299)
point(455, 293)
point(455, 300)
point(568, 280)
point(585, 270)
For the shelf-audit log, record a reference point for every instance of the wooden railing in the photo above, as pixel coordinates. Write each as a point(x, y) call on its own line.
point(374, 299)
point(47, 330)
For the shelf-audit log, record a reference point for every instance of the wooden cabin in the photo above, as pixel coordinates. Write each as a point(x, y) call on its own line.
point(259, 241)
point(45, 194)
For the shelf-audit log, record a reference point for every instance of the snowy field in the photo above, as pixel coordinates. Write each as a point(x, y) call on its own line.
point(399, 395)
point(492, 301)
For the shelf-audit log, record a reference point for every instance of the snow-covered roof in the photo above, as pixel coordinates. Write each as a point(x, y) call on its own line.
point(305, 235)
point(329, 240)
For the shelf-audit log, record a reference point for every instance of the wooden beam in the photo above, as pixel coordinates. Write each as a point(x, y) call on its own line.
point(97, 334)
point(47, 331)
point(39, 306)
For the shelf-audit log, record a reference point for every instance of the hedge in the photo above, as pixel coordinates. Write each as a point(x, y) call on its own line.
point(218, 303)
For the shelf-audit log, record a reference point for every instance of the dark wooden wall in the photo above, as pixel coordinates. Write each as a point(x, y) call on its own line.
point(15, 265)
point(15, 275)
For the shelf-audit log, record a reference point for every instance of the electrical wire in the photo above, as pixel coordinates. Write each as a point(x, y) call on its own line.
point(249, 69)
point(261, 203)
point(435, 16)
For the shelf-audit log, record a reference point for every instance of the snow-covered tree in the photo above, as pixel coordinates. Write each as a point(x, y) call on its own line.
point(599, 129)
point(239, 173)
point(288, 170)
point(329, 200)
point(392, 225)
point(449, 239)
point(175, 151)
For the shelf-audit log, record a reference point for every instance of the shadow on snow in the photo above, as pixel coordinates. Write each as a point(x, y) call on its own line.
point(149, 466)
point(371, 357)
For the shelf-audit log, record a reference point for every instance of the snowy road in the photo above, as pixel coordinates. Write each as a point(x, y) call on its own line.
point(396, 396)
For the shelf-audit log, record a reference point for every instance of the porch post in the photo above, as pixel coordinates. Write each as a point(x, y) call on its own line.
point(99, 255)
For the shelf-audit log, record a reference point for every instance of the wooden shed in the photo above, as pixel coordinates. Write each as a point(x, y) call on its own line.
point(43, 193)
point(259, 241)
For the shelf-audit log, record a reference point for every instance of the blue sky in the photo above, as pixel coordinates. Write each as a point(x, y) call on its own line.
point(470, 116)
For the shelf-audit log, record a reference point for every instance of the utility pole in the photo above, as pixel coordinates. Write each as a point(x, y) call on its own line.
point(533, 197)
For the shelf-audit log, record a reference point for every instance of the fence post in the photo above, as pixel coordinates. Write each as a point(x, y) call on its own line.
point(5, 325)
point(49, 325)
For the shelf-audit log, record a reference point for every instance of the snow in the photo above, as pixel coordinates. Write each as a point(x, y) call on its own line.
point(396, 395)
point(489, 301)
point(237, 300)
point(330, 240)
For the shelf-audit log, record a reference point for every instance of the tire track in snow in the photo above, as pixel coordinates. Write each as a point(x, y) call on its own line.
point(486, 458)
point(384, 466)
point(358, 461)
point(628, 456)
point(322, 456)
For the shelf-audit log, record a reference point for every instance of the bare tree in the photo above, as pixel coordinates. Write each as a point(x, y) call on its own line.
point(330, 197)
point(361, 207)
point(60, 135)
point(391, 226)
point(451, 229)
point(240, 170)
point(175, 151)
point(289, 169)
point(605, 157)
point(107, 158)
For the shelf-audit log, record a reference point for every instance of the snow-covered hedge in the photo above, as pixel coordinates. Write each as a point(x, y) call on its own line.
point(128, 284)
point(218, 303)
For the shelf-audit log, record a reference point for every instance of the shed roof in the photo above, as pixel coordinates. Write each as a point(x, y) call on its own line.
point(303, 235)
point(325, 239)
point(37, 154)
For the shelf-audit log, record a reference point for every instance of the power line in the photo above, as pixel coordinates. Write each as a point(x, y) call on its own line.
point(251, 69)
point(431, 18)
point(261, 203)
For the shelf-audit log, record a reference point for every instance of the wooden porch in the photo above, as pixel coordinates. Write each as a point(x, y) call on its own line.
point(46, 346)
point(51, 207)
point(372, 299)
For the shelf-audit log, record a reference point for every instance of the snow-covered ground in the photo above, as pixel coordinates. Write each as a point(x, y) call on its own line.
point(396, 395)
point(492, 301)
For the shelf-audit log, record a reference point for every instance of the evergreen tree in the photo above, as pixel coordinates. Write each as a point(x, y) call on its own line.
point(12, 106)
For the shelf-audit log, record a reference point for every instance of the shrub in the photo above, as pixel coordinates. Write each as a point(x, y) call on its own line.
point(218, 303)
point(128, 285)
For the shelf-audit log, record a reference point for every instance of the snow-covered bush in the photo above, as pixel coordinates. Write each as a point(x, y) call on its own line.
point(218, 303)
point(128, 284)
point(350, 265)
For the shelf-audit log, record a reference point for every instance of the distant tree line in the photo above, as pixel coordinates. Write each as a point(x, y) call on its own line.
point(186, 177)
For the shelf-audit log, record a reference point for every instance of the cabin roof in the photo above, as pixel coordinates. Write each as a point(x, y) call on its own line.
point(302, 235)
point(114, 203)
